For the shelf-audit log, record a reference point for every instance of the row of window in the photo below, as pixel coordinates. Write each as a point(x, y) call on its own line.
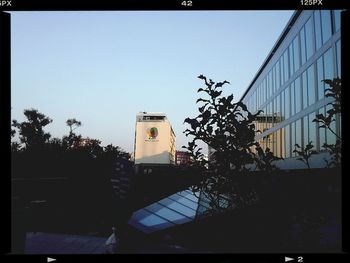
point(282, 142)
point(302, 92)
point(316, 32)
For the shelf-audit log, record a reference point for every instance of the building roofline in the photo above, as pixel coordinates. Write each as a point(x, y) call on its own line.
point(144, 113)
point(285, 31)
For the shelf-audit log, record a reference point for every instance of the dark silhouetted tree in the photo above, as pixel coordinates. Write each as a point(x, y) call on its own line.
point(305, 154)
point(265, 160)
point(229, 129)
point(325, 121)
point(72, 138)
point(31, 132)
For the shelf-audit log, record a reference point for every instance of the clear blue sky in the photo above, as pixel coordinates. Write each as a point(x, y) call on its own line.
point(103, 67)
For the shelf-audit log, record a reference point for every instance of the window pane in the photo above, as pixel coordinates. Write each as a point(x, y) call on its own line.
point(277, 109)
point(292, 135)
point(265, 118)
point(291, 60)
point(322, 131)
point(309, 39)
point(287, 141)
point(326, 25)
point(305, 100)
point(311, 84)
point(286, 66)
point(302, 46)
point(278, 142)
point(336, 20)
point(297, 95)
point(153, 220)
point(282, 69)
point(331, 138)
point(298, 132)
point(328, 64)
point(278, 83)
point(273, 80)
point(338, 50)
point(270, 119)
point(306, 130)
point(164, 212)
point(287, 100)
point(292, 99)
point(268, 85)
point(318, 32)
point(189, 195)
point(185, 201)
point(312, 129)
point(178, 207)
point(320, 77)
point(296, 53)
point(282, 106)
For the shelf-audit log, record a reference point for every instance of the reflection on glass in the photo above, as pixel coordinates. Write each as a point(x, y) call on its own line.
point(296, 53)
point(320, 77)
point(278, 83)
point(338, 51)
point(302, 46)
point(282, 147)
point(292, 137)
point(291, 59)
point(286, 65)
point(318, 33)
point(305, 100)
point(331, 137)
point(152, 220)
point(275, 144)
point(311, 84)
point(326, 25)
point(309, 39)
point(283, 106)
point(298, 132)
point(287, 102)
point(282, 70)
point(297, 95)
point(279, 147)
point(273, 80)
point(277, 111)
point(313, 130)
point(269, 86)
point(306, 130)
point(270, 117)
point(178, 207)
point(328, 64)
point(164, 212)
point(184, 201)
point(287, 141)
point(337, 24)
point(292, 99)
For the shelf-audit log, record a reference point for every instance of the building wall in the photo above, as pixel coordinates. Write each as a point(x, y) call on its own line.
point(159, 149)
point(183, 158)
point(289, 87)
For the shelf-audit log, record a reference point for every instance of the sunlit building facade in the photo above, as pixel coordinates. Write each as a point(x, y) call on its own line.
point(154, 139)
point(288, 87)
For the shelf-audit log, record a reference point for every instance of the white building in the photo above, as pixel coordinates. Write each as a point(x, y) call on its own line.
point(154, 139)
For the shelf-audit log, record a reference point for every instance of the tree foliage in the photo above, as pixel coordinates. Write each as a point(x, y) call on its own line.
point(39, 150)
point(228, 128)
point(265, 160)
point(31, 132)
point(304, 154)
point(325, 121)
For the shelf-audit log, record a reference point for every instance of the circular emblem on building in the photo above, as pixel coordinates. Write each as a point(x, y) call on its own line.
point(152, 133)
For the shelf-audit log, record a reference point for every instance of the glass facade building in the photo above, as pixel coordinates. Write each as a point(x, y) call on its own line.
point(288, 87)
